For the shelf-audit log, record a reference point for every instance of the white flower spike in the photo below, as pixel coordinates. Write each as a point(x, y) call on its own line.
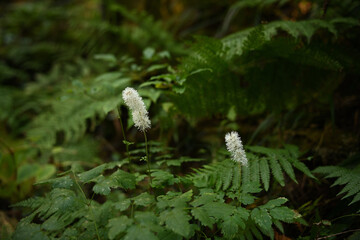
point(235, 147)
point(139, 113)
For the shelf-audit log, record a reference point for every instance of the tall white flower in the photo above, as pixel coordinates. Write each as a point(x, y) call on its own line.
point(235, 147)
point(139, 113)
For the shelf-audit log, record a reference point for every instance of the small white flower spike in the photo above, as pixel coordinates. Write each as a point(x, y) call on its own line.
point(235, 147)
point(139, 113)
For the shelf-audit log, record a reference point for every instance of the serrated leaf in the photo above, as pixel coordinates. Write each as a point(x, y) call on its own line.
point(255, 170)
point(203, 217)
point(276, 170)
point(168, 235)
point(161, 178)
point(279, 225)
point(227, 177)
point(143, 199)
point(229, 228)
point(218, 209)
point(177, 221)
point(181, 200)
point(119, 178)
point(236, 178)
point(174, 199)
point(136, 232)
point(302, 167)
point(205, 198)
point(287, 167)
point(283, 214)
point(29, 231)
point(262, 219)
point(95, 172)
point(118, 225)
point(274, 203)
point(103, 185)
point(123, 205)
point(61, 182)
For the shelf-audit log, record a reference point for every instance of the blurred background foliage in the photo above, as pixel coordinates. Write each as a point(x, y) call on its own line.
point(278, 71)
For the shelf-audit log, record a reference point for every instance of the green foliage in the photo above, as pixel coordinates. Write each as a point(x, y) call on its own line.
point(348, 177)
point(259, 69)
point(62, 70)
point(263, 162)
point(171, 214)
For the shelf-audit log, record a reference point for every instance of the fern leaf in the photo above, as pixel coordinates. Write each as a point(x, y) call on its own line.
point(276, 170)
point(348, 177)
point(265, 173)
point(227, 177)
point(236, 177)
point(255, 171)
point(287, 168)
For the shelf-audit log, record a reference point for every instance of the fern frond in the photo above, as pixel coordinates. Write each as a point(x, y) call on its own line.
point(75, 106)
point(348, 177)
point(256, 70)
point(263, 162)
point(306, 28)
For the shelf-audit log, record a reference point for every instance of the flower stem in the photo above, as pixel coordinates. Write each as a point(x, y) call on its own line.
point(148, 160)
point(239, 180)
point(88, 203)
point(123, 132)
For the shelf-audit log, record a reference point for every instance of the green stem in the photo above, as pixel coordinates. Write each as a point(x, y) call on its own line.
point(148, 160)
point(93, 216)
point(123, 132)
point(239, 181)
point(88, 204)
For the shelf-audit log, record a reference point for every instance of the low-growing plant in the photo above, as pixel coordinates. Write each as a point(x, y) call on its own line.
point(151, 202)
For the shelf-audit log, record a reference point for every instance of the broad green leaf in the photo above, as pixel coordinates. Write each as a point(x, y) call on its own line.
point(262, 219)
point(279, 225)
point(274, 203)
point(123, 205)
point(117, 179)
point(118, 225)
point(143, 199)
point(282, 213)
point(181, 200)
point(95, 172)
point(29, 231)
point(203, 217)
point(205, 198)
point(218, 209)
point(27, 171)
point(176, 220)
point(137, 232)
point(229, 227)
point(161, 178)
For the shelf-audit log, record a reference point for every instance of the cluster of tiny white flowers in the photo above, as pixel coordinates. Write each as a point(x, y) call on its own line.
point(139, 113)
point(235, 147)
